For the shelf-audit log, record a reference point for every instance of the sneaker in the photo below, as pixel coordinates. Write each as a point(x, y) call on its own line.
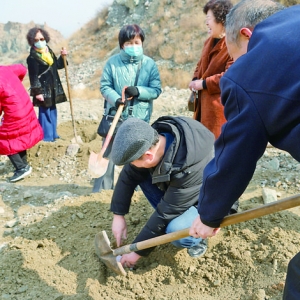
point(20, 174)
point(198, 250)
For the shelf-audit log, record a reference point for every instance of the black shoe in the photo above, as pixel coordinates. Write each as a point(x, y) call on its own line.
point(198, 250)
point(20, 174)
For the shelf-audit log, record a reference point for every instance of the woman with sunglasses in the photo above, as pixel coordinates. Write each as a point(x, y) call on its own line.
point(45, 85)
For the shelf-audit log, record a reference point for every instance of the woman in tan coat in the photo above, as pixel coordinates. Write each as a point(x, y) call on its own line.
point(214, 61)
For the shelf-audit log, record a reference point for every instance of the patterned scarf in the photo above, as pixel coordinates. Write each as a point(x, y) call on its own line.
point(45, 55)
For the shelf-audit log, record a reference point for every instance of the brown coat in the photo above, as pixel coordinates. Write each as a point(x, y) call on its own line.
point(214, 61)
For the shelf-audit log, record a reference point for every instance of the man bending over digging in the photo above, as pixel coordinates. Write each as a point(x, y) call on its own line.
point(166, 159)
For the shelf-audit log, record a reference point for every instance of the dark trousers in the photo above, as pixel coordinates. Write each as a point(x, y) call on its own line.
point(19, 160)
point(292, 282)
point(106, 182)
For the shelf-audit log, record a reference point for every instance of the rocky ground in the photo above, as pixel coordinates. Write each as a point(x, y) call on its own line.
point(48, 222)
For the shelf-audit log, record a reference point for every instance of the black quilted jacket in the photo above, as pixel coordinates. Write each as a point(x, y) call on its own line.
point(179, 175)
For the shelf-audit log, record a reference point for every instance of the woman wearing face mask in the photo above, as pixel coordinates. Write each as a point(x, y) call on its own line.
point(131, 68)
point(45, 85)
point(214, 61)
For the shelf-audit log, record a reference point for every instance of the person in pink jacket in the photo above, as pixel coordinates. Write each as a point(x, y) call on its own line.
point(19, 126)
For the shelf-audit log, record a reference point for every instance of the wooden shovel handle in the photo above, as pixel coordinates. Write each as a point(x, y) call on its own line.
point(69, 93)
point(247, 215)
point(113, 125)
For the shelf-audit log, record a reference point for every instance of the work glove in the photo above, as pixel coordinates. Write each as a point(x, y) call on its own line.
point(132, 91)
point(120, 102)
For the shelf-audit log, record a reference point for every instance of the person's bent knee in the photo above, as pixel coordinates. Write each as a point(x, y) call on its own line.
point(173, 227)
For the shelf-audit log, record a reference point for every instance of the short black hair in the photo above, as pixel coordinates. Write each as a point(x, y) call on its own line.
point(128, 32)
point(32, 33)
point(220, 9)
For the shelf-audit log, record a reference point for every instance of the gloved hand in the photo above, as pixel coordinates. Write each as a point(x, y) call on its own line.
point(119, 102)
point(132, 91)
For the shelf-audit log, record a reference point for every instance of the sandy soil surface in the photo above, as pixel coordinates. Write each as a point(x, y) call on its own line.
point(48, 222)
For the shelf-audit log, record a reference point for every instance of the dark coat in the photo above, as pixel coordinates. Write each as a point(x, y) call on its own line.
point(261, 97)
point(179, 175)
point(44, 79)
point(214, 61)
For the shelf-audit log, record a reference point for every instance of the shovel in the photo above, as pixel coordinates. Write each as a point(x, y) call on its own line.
point(74, 147)
point(97, 165)
point(108, 255)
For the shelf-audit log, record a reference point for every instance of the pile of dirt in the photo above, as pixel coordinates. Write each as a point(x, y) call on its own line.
point(48, 222)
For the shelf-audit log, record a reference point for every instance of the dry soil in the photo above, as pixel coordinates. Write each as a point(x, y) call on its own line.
point(48, 222)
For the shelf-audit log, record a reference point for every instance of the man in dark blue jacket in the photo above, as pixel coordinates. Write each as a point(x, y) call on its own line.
point(261, 95)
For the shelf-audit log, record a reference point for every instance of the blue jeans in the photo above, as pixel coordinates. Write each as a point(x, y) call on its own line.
point(154, 195)
point(48, 121)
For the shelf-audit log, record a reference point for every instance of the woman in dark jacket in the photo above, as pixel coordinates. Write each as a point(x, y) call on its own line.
point(45, 85)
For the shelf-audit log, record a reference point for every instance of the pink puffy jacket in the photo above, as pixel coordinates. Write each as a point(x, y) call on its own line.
point(19, 126)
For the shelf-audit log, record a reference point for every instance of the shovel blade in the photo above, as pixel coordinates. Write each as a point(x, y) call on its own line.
point(77, 140)
point(105, 253)
point(97, 165)
point(72, 149)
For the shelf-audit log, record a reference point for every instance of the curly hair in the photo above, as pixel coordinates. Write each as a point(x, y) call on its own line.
point(219, 8)
point(32, 33)
point(128, 32)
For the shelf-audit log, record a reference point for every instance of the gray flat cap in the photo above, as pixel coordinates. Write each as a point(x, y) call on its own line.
point(134, 137)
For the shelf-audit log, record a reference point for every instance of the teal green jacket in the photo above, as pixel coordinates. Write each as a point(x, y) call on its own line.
point(119, 71)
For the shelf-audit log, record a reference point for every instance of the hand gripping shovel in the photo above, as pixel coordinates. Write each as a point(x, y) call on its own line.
point(97, 165)
point(108, 255)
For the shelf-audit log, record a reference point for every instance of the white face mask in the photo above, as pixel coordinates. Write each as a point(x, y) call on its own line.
point(40, 44)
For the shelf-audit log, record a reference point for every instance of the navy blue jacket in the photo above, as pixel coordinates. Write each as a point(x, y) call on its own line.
point(261, 95)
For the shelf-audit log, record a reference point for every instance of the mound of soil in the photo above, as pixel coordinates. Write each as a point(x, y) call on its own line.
point(48, 222)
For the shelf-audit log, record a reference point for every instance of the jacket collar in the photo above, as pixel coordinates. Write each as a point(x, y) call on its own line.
point(219, 45)
point(162, 171)
point(36, 56)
